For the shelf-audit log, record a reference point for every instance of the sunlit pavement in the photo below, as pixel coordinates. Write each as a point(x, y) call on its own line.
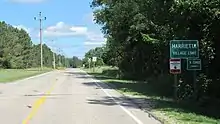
point(66, 97)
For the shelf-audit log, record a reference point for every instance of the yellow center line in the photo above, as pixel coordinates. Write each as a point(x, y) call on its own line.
point(37, 105)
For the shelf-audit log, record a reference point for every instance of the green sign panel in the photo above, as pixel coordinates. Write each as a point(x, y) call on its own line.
point(184, 49)
point(193, 64)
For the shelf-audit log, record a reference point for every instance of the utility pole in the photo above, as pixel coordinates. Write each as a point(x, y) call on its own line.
point(54, 59)
point(64, 63)
point(40, 19)
point(63, 60)
point(59, 51)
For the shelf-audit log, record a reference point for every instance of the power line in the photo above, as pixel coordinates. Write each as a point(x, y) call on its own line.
point(40, 19)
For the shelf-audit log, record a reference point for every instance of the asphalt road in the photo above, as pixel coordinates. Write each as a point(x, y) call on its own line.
point(66, 97)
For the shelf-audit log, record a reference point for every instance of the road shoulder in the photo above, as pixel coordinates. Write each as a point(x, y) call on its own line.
point(139, 102)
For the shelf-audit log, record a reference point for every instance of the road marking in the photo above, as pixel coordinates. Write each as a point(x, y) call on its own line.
point(138, 121)
point(122, 107)
point(37, 105)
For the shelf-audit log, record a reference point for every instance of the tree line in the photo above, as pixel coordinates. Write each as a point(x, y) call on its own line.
point(96, 52)
point(75, 62)
point(17, 51)
point(138, 33)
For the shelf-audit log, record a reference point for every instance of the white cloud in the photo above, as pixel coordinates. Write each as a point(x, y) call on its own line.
point(28, 30)
point(62, 30)
point(95, 37)
point(26, 1)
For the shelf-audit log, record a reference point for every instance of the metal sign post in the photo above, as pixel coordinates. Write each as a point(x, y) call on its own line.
point(89, 61)
point(175, 68)
point(94, 59)
point(185, 49)
point(194, 65)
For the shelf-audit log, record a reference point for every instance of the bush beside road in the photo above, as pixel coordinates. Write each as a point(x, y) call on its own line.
point(155, 97)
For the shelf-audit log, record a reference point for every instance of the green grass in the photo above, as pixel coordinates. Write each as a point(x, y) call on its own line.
point(157, 92)
point(9, 75)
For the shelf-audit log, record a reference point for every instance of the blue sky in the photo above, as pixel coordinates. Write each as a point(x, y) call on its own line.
point(70, 23)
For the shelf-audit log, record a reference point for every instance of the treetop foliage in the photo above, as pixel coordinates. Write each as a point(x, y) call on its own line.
point(139, 31)
point(18, 51)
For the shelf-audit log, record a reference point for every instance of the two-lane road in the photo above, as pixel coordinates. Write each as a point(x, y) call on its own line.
point(66, 97)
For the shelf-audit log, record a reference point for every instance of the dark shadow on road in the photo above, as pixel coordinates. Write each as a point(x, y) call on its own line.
point(90, 84)
point(139, 88)
point(84, 75)
point(164, 104)
point(112, 101)
point(152, 104)
point(75, 73)
point(153, 89)
point(97, 84)
point(97, 77)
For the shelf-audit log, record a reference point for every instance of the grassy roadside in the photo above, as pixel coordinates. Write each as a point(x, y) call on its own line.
point(163, 107)
point(9, 75)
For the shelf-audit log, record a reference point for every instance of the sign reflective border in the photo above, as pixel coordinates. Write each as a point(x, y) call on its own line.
point(175, 66)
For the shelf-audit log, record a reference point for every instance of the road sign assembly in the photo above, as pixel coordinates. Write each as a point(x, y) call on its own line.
point(94, 59)
point(184, 49)
point(89, 60)
point(193, 64)
point(175, 66)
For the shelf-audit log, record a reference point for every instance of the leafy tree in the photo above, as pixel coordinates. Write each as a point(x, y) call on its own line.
point(98, 52)
point(76, 62)
point(138, 34)
point(18, 51)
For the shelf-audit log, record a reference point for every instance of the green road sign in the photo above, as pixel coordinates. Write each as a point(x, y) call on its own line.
point(184, 49)
point(193, 64)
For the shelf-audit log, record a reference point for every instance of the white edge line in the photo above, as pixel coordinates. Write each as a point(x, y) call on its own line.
point(122, 107)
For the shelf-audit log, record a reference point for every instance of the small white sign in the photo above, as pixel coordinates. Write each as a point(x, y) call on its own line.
point(89, 60)
point(175, 66)
point(94, 59)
